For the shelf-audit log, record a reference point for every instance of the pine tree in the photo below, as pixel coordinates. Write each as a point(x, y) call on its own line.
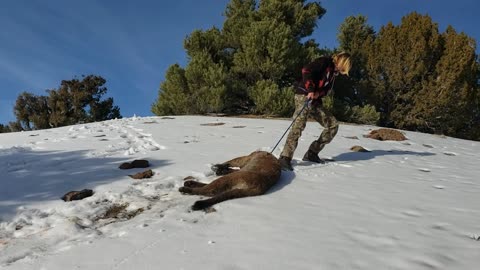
point(261, 42)
point(24, 109)
point(4, 129)
point(174, 94)
point(73, 102)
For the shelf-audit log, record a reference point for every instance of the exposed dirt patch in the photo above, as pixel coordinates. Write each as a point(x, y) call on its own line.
point(213, 124)
point(143, 175)
point(119, 211)
point(386, 134)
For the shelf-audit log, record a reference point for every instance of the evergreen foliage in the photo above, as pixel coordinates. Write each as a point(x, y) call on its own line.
point(261, 44)
point(407, 76)
point(269, 99)
point(4, 129)
point(75, 101)
point(422, 79)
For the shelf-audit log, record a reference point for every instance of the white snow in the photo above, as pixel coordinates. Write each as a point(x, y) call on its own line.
point(404, 205)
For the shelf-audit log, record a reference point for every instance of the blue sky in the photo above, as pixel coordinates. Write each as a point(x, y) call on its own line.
point(132, 43)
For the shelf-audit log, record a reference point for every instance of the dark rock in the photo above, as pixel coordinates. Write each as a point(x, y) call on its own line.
point(77, 195)
point(138, 163)
point(358, 148)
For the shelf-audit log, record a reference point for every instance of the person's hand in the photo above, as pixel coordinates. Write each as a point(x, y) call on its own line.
point(313, 95)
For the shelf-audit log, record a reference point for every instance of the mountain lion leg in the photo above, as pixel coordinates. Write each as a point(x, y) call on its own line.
point(228, 195)
point(224, 168)
point(219, 185)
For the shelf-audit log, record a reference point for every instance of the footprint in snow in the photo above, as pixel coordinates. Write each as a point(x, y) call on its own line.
point(424, 170)
point(428, 146)
point(475, 237)
point(412, 213)
point(449, 153)
point(441, 226)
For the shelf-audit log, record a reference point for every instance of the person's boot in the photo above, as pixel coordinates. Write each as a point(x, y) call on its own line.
point(313, 157)
point(286, 163)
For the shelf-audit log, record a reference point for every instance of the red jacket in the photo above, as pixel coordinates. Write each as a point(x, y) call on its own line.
point(317, 76)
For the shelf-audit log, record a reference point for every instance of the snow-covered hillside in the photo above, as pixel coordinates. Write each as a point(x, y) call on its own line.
point(404, 205)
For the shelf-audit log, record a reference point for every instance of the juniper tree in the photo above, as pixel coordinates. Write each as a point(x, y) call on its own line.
point(399, 61)
point(448, 101)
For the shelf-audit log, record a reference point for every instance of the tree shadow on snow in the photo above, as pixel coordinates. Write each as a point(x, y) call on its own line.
point(33, 176)
point(357, 156)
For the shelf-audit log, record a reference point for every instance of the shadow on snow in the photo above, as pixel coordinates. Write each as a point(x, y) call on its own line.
point(356, 156)
point(34, 176)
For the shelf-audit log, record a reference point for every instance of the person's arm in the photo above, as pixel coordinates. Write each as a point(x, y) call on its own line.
point(309, 83)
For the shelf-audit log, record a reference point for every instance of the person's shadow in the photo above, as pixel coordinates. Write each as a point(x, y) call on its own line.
point(287, 176)
point(357, 156)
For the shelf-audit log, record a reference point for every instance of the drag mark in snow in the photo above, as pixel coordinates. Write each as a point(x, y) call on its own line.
point(136, 253)
point(412, 213)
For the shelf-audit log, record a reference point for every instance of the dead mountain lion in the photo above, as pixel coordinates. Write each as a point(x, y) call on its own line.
point(258, 172)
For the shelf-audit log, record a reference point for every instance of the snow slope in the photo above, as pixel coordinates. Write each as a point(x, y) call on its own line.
point(404, 205)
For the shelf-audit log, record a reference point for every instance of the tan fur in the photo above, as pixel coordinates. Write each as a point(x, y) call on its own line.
point(258, 172)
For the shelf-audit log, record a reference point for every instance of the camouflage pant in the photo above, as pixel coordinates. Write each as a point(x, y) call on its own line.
point(322, 116)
